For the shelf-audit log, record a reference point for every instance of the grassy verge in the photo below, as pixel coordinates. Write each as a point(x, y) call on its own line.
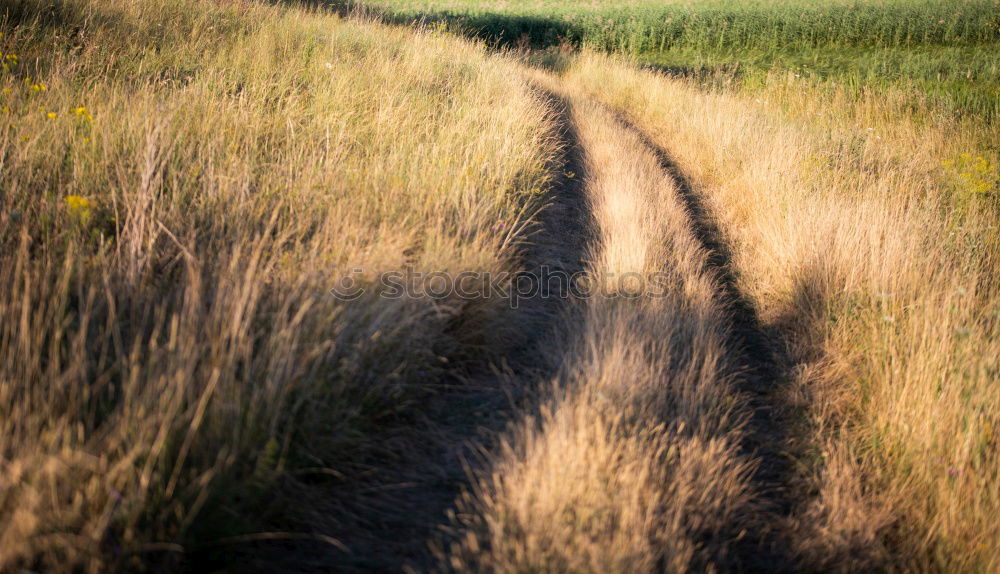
point(865, 232)
point(182, 184)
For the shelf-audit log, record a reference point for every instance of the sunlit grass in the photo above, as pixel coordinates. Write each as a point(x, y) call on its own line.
point(182, 184)
point(865, 231)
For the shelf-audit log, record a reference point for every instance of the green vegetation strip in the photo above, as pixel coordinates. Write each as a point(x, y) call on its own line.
point(946, 50)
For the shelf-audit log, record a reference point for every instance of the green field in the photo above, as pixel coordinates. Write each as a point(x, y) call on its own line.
point(944, 50)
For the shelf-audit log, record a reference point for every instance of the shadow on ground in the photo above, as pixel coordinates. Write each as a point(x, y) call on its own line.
point(384, 515)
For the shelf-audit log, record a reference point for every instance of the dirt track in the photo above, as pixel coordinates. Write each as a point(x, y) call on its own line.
point(403, 519)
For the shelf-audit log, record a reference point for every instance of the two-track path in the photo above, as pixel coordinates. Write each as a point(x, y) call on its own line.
point(567, 226)
point(393, 521)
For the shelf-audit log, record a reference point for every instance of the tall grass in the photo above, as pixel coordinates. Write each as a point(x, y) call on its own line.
point(866, 235)
point(182, 184)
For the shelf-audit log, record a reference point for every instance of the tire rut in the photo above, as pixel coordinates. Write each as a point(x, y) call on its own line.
point(557, 245)
point(762, 377)
point(401, 531)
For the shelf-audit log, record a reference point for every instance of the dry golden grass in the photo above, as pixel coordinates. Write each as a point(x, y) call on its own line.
point(632, 463)
point(169, 344)
point(855, 239)
point(182, 183)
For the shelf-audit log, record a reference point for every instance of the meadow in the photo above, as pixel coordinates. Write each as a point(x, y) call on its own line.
point(814, 186)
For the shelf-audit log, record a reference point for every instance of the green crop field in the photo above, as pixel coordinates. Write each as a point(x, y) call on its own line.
point(946, 50)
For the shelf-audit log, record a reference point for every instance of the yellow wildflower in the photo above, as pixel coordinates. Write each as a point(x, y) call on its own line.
point(975, 175)
point(77, 202)
point(52, 115)
point(79, 208)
